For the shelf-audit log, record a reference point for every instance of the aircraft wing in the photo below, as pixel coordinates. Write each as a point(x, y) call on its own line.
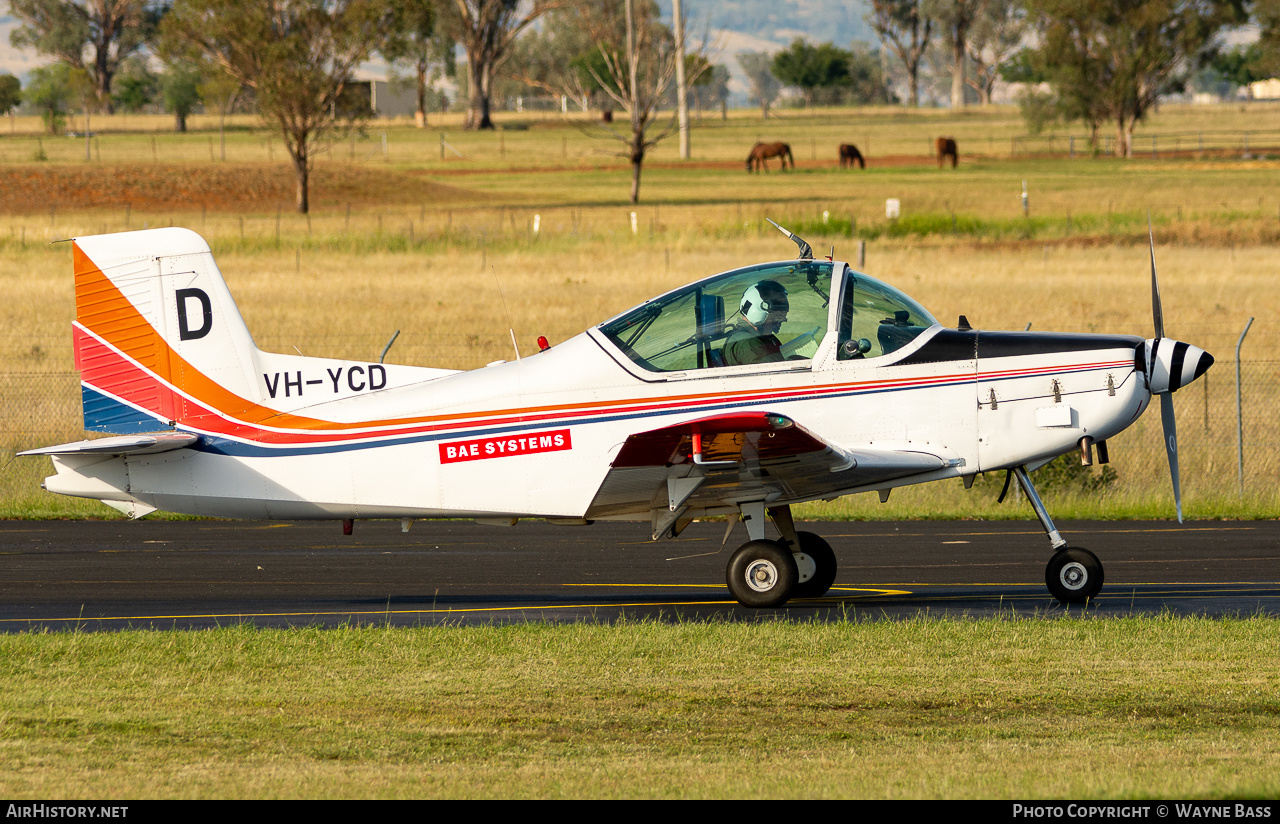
point(713, 465)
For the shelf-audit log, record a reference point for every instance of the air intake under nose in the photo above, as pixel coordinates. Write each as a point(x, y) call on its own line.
point(1172, 364)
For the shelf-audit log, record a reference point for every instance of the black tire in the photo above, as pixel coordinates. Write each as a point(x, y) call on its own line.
point(1074, 575)
point(824, 559)
point(761, 574)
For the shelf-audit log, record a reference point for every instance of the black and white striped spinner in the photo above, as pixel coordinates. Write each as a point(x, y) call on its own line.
point(1172, 364)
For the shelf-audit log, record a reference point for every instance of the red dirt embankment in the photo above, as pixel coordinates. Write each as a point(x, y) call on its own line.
point(216, 188)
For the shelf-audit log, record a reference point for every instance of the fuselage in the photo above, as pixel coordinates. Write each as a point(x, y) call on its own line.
point(536, 437)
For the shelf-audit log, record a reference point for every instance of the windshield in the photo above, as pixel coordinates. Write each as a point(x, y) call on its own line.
point(876, 319)
point(762, 314)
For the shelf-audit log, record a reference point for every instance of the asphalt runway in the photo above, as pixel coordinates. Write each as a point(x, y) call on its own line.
point(92, 576)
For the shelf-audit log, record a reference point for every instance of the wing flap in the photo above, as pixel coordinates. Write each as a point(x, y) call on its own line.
point(709, 464)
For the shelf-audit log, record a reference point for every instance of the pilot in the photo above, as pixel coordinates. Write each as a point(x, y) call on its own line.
point(764, 310)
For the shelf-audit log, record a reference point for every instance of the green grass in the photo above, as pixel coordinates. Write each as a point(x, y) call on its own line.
point(1006, 708)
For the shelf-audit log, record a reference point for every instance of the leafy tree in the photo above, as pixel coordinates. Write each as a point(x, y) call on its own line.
point(1242, 65)
point(296, 55)
point(94, 35)
point(1266, 13)
point(135, 84)
point(180, 88)
point(758, 67)
point(219, 91)
point(711, 88)
point(866, 76)
point(811, 67)
point(905, 28)
point(1023, 67)
point(1111, 59)
point(10, 93)
point(1039, 109)
point(415, 42)
point(51, 90)
point(486, 30)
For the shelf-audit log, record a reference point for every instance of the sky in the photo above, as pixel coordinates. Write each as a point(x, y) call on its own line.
point(12, 60)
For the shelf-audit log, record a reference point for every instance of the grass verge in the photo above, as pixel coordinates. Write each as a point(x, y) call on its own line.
point(1002, 708)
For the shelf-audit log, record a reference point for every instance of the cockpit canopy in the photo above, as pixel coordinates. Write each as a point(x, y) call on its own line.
point(704, 325)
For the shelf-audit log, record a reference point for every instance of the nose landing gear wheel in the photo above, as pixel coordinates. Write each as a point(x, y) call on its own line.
point(761, 574)
point(1074, 575)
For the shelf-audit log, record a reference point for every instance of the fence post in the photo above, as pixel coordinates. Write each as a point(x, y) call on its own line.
point(1240, 409)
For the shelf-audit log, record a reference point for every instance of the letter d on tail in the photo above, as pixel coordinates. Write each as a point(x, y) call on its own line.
point(185, 332)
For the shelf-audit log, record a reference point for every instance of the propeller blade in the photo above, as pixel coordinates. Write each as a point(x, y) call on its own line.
point(1171, 447)
point(1156, 311)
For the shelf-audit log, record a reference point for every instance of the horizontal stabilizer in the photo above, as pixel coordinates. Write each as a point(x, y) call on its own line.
point(120, 445)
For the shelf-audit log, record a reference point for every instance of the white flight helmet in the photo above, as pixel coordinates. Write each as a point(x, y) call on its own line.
point(765, 301)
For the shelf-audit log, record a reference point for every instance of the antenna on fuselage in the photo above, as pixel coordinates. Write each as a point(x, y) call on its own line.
point(806, 252)
point(510, 326)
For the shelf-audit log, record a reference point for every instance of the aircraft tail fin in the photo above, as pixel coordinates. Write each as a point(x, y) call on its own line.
point(157, 334)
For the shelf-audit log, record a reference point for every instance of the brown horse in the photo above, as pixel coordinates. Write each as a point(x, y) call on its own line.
point(947, 148)
point(850, 155)
point(761, 151)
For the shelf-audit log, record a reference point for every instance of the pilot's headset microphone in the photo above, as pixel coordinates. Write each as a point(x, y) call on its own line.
point(765, 302)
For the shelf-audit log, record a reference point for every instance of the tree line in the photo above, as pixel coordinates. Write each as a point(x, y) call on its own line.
point(1101, 61)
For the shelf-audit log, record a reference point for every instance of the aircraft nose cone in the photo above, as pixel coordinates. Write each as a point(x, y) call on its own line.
point(1202, 365)
point(1172, 364)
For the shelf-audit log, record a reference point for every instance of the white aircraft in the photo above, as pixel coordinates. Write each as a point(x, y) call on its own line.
point(738, 395)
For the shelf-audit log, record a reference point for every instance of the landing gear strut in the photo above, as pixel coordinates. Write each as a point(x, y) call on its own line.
point(1073, 575)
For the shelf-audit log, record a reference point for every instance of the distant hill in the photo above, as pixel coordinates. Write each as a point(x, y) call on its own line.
point(780, 21)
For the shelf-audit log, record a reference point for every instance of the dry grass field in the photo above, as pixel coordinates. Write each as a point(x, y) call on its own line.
point(445, 251)
point(408, 236)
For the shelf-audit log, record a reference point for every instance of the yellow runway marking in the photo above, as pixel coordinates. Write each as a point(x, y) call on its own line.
point(876, 592)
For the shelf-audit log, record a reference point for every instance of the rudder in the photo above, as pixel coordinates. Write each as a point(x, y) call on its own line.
point(156, 332)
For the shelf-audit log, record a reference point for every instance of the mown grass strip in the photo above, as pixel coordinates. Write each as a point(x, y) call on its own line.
point(1002, 708)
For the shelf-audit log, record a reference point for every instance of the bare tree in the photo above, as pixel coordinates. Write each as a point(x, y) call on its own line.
point(764, 86)
point(957, 17)
point(905, 29)
point(486, 29)
point(555, 56)
point(995, 37)
point(637, 76)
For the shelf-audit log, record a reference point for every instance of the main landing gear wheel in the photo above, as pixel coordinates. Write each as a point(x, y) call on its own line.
point(1074, 575)
point(819, 553)
point(762, 574)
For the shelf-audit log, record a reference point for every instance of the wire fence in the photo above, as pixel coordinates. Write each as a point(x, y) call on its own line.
point(1236, 143)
